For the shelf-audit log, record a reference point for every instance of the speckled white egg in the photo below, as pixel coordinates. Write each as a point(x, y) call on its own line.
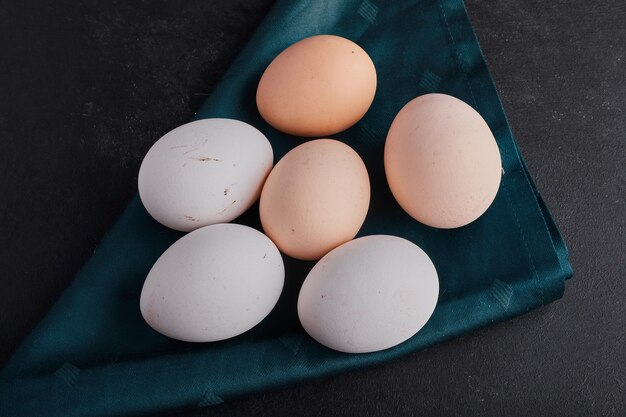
point(369, 294)
point(213, 284)
point(204, 172)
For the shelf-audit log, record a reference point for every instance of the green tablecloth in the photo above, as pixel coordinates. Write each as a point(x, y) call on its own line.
point(94, 355)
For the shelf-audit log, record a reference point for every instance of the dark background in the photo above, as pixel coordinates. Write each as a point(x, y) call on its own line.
point(87, 86)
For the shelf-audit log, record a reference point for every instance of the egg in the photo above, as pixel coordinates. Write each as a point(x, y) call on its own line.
point(317, 87)
point(204, 172)
point(369, 294)
point(213, 284)
point(442, 162)
point(315, 198)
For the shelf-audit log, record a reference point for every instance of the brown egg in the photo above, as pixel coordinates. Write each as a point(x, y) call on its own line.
point(317, 87)
point(442, 161)
point(315, 198)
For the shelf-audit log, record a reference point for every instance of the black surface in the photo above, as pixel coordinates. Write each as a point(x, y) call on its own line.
point(88, 86)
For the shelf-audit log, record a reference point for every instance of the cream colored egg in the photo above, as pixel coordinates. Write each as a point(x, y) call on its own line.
point(442, 161)
point(204, 172)
point(369, 294)
point(315, 198)
point(212, 284)
point(317, 87)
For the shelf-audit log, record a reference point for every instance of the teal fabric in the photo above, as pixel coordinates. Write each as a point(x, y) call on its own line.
point(93, 355)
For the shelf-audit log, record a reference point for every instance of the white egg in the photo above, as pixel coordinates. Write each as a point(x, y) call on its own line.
point(204, 172)
point(212, 284)
point(369, 294)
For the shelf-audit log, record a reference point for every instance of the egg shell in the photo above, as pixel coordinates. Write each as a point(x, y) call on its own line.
point(369, 294)
point(317, 87)
point(315, 198)
point(442, 162)
point(204, 172)
point(212, 284)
